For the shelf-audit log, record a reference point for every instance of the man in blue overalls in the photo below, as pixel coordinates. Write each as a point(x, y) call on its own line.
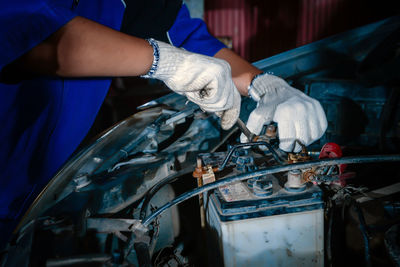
point(57, 58)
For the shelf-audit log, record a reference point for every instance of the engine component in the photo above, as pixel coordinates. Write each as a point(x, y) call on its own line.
point(294, 181)
point(261, 222)
point(283, 229)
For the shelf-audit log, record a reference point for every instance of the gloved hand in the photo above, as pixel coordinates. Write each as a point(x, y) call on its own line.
point(298, 115)
point(204, 80)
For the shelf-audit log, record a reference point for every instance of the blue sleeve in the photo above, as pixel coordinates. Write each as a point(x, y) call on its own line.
point(26, 23)
point(192, 34)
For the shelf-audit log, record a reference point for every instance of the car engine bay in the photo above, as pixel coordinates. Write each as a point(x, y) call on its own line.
point(168, 187)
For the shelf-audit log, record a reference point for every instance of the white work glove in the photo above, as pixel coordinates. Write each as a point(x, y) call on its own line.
point(204, 80)
point(298, 115)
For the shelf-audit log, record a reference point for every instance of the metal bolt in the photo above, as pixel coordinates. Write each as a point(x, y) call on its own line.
point(294, 181)
point(81, 180)
point(97, 159)
point(294, 178)
point(271, 131)
point(263, 185)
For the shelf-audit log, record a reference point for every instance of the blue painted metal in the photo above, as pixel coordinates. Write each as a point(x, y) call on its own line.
point(353, 111)
point(330, 52)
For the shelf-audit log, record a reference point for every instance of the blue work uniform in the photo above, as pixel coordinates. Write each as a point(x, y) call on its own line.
point(44, 119)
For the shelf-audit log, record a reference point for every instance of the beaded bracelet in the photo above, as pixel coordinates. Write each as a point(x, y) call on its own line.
point(156, 59)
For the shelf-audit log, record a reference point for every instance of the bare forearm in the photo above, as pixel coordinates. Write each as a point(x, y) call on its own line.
point(242, 71)
point(83, 48)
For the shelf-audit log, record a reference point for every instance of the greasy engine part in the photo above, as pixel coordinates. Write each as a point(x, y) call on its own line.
point(260, 187)
point(243, 220)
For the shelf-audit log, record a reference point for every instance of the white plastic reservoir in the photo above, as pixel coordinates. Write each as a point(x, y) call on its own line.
point(282, 229)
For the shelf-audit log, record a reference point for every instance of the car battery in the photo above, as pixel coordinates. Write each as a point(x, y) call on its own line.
point(261, 223)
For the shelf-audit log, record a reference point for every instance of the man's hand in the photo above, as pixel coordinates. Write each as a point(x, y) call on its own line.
point(299, 116)
point(204, 80)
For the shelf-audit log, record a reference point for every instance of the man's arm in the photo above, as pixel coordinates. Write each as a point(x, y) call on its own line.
point(84, 48)
point(242, 71)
